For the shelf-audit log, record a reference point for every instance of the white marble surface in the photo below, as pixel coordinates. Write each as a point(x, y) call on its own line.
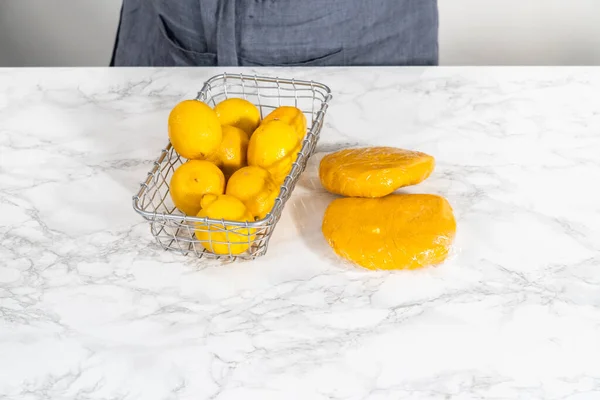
point(90, 308)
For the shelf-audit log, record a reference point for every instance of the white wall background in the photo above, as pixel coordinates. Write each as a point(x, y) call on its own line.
point(472, 32)
point(519, 32)
point(57, 32)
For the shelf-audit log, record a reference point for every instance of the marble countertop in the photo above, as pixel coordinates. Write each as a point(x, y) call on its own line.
point(91, 308)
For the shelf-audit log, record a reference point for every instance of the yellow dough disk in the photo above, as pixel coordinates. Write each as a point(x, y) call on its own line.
point(373, 171)
point(404, 231)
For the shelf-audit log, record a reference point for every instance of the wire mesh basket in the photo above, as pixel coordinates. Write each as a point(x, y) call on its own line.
point(223, 239)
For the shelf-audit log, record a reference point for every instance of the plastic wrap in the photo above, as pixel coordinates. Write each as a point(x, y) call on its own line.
point(373, 171)
point(399, 231)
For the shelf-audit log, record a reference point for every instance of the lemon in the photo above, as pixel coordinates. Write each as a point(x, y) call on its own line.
point(232, 152)
point(274, 146)
point(255, 188)
point(239, 113)
point(194, 129)
point(191, 181)
point(218, 238)
point(292, 116)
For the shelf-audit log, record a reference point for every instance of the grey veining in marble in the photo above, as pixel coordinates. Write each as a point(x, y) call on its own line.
point(91, 308)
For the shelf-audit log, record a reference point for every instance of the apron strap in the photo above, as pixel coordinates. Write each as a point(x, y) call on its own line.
point(226, 33)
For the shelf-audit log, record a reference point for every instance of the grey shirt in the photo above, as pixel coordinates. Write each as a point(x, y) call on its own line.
point(277, 32)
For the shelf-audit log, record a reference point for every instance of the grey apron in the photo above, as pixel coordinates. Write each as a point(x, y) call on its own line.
point(276, 33)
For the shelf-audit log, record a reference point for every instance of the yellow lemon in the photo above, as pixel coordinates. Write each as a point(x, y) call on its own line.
point(255, 188)
point(373, 171)
point(404, 231)
point(239, 113)
point(221, 239)
point(194, 129)
point(291, 116)
point(191, 181)
point(274, 146)
point(232, 152)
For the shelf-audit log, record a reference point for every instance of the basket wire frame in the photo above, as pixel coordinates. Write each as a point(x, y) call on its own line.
point(230, 240)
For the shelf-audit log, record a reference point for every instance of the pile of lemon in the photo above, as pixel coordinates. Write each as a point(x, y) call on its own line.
point(235, 165)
